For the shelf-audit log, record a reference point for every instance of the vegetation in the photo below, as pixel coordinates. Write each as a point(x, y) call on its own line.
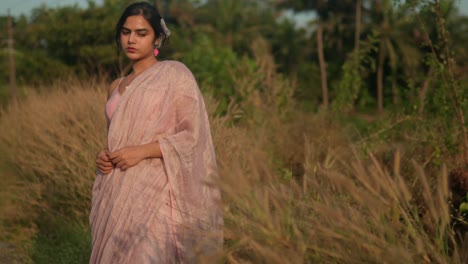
point(344, 142)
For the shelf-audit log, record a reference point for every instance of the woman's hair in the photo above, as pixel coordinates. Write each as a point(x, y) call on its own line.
point(149, 12)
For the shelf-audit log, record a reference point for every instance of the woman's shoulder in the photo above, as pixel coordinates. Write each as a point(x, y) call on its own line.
point(180, 75)
point(177, 68)
point(114, 85)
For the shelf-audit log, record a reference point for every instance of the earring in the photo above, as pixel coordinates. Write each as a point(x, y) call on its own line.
point(155, 52)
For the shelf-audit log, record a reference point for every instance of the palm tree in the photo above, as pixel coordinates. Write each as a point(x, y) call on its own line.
point(237, 23)
point(394, 47)
point(322, 63)
point(357, 33)
point(332, 16)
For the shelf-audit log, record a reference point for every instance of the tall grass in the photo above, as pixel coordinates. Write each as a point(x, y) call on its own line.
point(50, 140)
point(297, 187)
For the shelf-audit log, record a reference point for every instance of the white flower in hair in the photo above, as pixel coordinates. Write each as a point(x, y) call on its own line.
point(166, 30)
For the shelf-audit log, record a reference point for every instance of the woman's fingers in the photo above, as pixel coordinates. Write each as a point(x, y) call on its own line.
point(115, 158)
point(104, 170)
point(105, 166)
point(120, 164)
point(123, 165)
point(103, 154)
point(104, 163)
point(121, 159)
point(113, 155)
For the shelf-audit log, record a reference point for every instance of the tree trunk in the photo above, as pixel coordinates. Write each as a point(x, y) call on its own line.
point(323, 70)
point(395, 93)
point(11, 53)
point(357, 33)
point(423, 92)
point(380, 77)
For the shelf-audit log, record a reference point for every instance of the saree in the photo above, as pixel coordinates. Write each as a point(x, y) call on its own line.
point(161, 210)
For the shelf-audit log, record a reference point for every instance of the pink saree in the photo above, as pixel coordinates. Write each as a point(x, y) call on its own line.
point(161, 210)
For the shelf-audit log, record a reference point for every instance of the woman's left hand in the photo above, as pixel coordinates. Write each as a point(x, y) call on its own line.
point(127, 157)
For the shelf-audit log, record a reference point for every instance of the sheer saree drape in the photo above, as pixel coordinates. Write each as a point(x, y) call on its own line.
point(161, 210)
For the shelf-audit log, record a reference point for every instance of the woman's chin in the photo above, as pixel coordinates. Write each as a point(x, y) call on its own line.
point(132, 56)
point(136, 57)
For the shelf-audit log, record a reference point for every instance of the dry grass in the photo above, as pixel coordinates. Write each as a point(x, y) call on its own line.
point(296, 189)
point(49, 141)
point(52, 138)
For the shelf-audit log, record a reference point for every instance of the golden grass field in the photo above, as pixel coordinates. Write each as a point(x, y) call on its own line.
point(297, 187)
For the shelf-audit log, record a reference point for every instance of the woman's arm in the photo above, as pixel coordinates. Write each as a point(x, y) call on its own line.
point(151, 150)
point(127, 157)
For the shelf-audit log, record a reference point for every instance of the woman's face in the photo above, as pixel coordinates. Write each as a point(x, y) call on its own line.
point(137, 38)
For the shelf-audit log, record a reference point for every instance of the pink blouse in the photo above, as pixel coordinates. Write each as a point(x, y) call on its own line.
point(113, 102)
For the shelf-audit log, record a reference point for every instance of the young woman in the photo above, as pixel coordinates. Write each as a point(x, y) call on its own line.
point(154, 200)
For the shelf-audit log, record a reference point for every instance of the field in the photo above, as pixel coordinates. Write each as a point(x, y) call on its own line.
point(298, 187)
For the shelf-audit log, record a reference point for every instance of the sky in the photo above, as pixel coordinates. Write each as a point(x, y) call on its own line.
point(18, 7)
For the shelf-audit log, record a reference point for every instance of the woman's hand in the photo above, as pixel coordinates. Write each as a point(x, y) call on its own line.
point(103, 163)
point(127, 157)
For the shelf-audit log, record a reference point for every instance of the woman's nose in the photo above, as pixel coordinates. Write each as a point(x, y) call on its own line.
point(130, 38)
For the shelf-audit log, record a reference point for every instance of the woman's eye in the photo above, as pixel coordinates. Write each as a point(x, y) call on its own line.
point(141, 35)
point(124, 32)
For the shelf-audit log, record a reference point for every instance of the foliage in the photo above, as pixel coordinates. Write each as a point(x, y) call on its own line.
point(213, 67)
point(351, 86)
point(60, 241)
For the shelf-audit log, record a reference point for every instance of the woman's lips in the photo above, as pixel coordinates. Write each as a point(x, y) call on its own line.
point(131, 50)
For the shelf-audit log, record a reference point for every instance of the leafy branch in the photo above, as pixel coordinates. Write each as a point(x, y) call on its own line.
point(445, 63)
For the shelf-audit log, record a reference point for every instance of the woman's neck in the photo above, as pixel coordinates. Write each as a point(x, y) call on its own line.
point(141, 65)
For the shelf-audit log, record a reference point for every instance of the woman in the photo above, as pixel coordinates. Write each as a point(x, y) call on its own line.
point(153, 198)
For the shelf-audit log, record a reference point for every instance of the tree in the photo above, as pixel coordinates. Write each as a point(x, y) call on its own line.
point(395, 47)
point(81, 39)
point(335, 20)
point(322, 63)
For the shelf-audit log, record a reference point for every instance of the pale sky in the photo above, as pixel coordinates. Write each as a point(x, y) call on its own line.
point(25, 6)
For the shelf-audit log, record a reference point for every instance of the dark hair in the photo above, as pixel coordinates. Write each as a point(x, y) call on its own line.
point(149, 12)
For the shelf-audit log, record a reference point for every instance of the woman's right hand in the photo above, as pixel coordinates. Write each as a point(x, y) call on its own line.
point(103, 163)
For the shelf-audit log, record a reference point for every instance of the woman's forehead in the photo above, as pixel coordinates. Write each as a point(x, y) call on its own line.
point(137, 22)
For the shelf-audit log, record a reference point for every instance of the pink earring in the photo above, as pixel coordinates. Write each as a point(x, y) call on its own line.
point(155, 52)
